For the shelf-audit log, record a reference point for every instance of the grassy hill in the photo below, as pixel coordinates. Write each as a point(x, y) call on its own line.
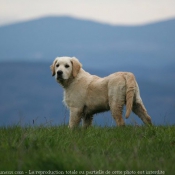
point(138, 150)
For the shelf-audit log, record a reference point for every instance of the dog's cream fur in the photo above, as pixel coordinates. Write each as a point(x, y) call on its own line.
point(86, 94)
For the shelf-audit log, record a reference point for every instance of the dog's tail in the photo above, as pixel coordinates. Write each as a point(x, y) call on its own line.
point(130, 91)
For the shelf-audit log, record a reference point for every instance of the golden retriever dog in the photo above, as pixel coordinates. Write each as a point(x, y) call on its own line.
point(86, 94)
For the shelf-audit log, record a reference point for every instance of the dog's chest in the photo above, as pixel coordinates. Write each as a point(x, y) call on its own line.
point(74, 98)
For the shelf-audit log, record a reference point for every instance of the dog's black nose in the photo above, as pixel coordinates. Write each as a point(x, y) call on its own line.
point(59, 73)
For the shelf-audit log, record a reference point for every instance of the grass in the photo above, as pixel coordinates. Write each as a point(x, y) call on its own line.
point(97, 149)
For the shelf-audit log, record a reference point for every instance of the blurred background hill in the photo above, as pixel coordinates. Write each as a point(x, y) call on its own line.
point(28, 93)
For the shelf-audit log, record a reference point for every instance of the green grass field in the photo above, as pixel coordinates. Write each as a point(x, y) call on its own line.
point(96, 150)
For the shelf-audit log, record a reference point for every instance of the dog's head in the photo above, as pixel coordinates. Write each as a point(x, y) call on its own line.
point(64, 68)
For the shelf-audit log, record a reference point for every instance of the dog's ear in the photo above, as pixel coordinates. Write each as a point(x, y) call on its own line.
point(52, 67)
point(76, 66)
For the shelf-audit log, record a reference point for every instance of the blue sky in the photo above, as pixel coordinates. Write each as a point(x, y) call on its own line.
point(121, 12)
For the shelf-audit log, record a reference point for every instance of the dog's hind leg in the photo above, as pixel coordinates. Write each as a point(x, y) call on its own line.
point(117, 101)
point(117, 110)
point(140, 110)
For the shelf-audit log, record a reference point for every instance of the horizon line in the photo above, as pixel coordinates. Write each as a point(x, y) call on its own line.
point(86, 19)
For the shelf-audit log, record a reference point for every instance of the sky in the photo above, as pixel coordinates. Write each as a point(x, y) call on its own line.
point(115, 12)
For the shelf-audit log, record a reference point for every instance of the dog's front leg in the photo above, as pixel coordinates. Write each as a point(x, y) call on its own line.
point(87, 121)
point(75, 117)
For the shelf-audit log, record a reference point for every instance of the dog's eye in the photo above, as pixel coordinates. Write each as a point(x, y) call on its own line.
point(66, 66)
point(57, 65)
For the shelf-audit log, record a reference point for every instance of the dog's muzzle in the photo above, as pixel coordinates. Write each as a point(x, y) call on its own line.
point(60, 74)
